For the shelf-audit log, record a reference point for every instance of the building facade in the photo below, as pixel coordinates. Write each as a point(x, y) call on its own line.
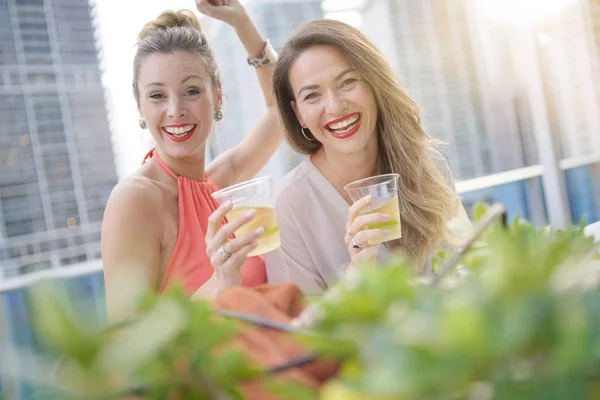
point(57, 161)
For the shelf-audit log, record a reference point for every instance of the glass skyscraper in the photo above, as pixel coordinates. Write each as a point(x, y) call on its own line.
point(55, 149)
point(56, 160)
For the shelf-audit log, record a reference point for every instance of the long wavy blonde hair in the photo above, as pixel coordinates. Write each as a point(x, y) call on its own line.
point(427, 200)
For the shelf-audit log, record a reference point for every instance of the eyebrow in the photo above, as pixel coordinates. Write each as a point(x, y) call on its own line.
point(337, 78)
point(183, 81)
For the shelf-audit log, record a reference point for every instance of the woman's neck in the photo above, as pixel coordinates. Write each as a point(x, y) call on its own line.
point(191, 167)
point(342, 169)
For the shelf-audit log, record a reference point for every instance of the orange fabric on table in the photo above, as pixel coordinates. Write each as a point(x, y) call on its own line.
point(266, 347)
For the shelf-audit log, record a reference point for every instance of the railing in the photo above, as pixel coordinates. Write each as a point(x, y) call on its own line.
point(583, 199)
point(75, 271)
point(520, 174)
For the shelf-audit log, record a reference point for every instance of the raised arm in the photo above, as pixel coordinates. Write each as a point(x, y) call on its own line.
point(131, 242)
point(247, 158)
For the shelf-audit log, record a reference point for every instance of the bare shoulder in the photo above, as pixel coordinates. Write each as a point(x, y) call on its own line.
point(135, 199)
point(131, 239)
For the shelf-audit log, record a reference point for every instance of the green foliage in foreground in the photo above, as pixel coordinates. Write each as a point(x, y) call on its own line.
point(175, 348)
point(518, 319)
point(521, 320)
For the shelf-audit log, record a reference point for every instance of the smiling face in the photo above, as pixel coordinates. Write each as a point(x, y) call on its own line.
point(333, 101)
point(177, 101)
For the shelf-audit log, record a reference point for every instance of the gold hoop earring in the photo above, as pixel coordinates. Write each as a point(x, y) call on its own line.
point(304, 134)
point(218, 115)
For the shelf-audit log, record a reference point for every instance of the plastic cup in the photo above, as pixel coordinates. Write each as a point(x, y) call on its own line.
point(254, 195)
point(384, 199)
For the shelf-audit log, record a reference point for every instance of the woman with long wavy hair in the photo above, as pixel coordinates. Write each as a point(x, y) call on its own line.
point(342, 105)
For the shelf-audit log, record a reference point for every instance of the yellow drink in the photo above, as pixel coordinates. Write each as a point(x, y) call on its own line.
point(265, 217)
point(391, 208)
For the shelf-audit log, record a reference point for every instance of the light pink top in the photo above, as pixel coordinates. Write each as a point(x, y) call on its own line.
point(312, 217)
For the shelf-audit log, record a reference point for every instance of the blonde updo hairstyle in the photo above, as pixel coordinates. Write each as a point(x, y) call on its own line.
point(174, 31)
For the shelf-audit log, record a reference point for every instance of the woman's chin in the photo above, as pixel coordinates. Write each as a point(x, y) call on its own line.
point(187, 149)
point(357, 144)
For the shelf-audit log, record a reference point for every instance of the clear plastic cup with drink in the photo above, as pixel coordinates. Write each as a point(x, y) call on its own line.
point(254, 195)
point(384, 199)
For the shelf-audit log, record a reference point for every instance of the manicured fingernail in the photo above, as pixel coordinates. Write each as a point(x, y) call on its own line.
point(254, 244)
point(386, 216)
point(260, 231)
point(251, 213)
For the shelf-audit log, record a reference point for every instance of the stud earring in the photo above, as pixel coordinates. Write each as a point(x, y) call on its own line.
point(142, 123)
point(304, 134)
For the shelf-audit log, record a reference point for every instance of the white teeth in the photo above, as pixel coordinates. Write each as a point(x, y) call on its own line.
point(179, 131)
point(345, 124)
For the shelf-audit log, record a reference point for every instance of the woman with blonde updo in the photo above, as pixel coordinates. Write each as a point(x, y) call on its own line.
point(342, 105)
point(161, 223)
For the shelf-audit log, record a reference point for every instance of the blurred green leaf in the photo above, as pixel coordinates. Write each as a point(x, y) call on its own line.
point(479, 210)
point(520, 320)
point(173, 347)
point(59, 327)
point(291, 391)
point(142, 340)
point(524, 317)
